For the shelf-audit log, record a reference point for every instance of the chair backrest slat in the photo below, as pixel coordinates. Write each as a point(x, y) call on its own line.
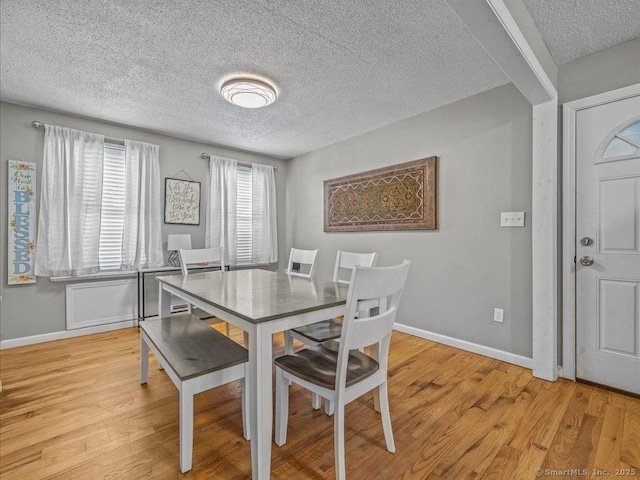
point(304, 257)
point(201, 255)
point(348, 260)
point(369, 330)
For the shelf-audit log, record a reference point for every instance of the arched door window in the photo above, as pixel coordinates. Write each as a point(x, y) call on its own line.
point(625, 144)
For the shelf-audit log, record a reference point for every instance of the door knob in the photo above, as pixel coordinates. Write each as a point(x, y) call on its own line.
point(586, 261)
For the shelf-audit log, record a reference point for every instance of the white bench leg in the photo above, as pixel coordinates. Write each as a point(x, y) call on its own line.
point(144, 361)
point(186, 428)
point(282, 407)
point(246, 423)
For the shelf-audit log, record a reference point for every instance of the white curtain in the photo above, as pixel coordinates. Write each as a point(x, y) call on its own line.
point(221, 227)
point(141, 238)
point(264, 221)
point(70, 203)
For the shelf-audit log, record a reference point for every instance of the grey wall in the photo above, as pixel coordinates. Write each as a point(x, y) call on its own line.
point(470, 265)
point(27, 310)
point(610, 69)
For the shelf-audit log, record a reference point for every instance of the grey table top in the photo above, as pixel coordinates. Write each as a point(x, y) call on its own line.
point(260, 295)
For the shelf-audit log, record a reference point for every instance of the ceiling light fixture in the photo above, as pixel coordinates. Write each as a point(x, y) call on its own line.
point(248, 92)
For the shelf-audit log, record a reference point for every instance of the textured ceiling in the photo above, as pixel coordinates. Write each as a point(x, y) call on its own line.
point(575, 28)
point(342, 67)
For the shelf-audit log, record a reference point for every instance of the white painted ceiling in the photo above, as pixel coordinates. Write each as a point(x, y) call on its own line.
point(575, 28)
point(342, 67)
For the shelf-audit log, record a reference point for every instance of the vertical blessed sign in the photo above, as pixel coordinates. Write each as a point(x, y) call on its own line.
point(22, 222)
point(181, 202)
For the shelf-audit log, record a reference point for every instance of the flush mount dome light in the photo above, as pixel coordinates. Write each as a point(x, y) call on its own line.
point(248, 92)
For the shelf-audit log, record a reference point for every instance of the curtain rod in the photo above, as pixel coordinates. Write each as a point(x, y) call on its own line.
point(37, 124)
point(244, 164)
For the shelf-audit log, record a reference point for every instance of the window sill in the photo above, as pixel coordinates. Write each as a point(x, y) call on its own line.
point(134, 273)
point(246, 266)
point(96, 276)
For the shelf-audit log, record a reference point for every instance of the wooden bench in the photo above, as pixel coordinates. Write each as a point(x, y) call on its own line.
point(197, 358)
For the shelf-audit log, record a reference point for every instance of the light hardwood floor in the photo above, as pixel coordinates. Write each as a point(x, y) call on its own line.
point(74, 409)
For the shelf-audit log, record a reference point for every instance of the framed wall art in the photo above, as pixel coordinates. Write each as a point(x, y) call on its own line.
point(21, 203)
point(181, 201)
point(399, 197)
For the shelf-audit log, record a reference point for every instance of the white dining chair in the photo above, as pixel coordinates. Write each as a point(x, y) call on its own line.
point(330, 329)
point(298, 258)
point(337, 370)
point(213, 257)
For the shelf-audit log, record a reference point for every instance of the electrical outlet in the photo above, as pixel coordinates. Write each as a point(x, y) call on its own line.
point(498, 315)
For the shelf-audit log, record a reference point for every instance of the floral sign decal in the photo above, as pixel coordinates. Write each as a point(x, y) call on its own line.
point(181, 201)
point(22, 222)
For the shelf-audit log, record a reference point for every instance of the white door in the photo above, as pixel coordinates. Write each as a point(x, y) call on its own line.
point(608, 244)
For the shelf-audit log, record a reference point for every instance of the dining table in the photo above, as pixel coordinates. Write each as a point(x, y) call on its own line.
point(262, 303)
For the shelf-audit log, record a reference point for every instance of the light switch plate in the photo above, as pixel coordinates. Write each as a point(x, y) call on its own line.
point(512, 219)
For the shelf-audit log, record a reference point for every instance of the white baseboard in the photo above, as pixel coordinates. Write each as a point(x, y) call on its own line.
point(48, 337)
point(468, 346)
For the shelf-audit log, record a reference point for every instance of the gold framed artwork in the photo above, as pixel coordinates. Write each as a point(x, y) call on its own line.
point(181, 201)
point(399, 197)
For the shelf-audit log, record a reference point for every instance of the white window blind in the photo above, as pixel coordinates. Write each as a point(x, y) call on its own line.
point(244, 215)
point(112, 215)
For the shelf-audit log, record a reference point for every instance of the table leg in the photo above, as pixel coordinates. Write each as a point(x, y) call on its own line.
point(143, 297)
point(164, 302)
point(260, 388)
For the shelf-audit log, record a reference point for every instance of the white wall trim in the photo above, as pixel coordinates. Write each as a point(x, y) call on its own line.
point(569, 113)
point(542, 80)
point(490, 352)
point(498, 32)
point(544, 240)
point(568, 242)
point(48, 337)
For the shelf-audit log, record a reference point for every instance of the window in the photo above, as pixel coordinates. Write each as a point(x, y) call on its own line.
point(625, 144)
point(84, 226)
point(112, 213)
point(244, 215)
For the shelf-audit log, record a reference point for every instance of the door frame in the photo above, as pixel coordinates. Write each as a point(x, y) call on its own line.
point(569, 115)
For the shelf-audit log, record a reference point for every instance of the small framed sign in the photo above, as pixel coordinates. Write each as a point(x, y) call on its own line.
point(181, 201)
